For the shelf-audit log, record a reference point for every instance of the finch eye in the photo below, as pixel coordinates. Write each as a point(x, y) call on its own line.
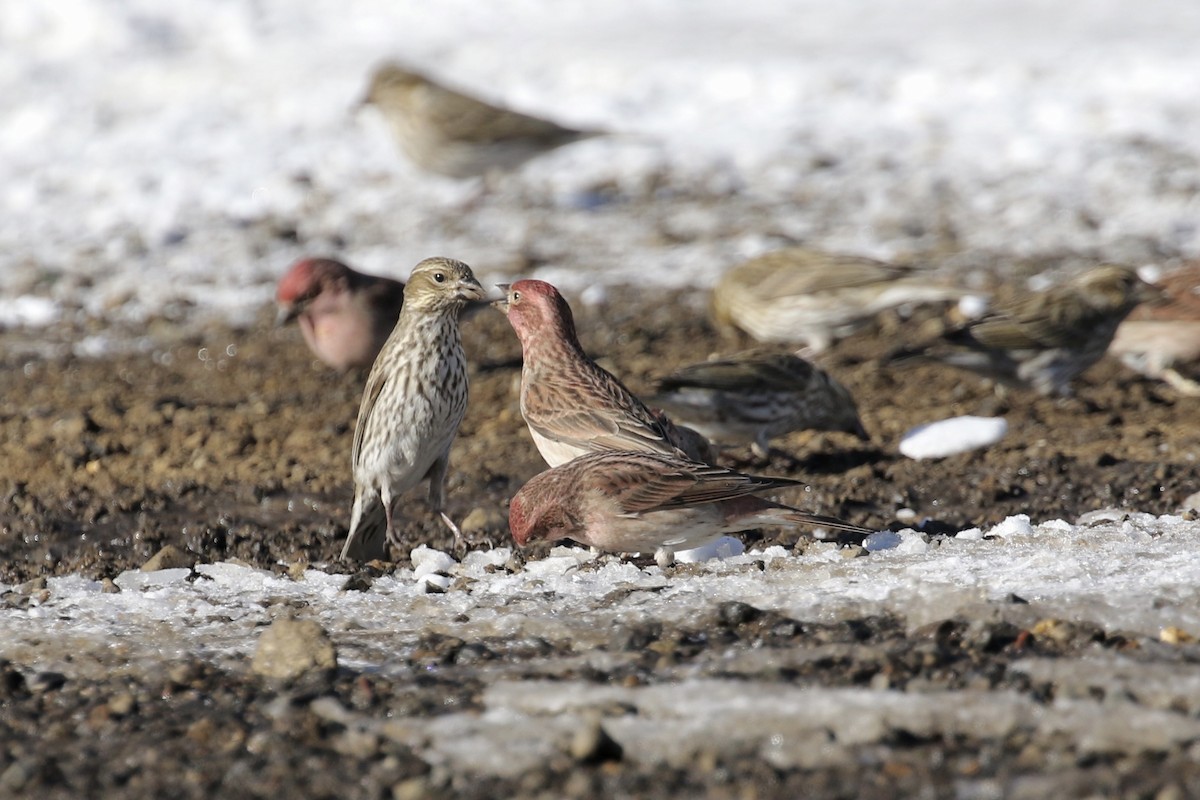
point(516, 296)
point(439, 277)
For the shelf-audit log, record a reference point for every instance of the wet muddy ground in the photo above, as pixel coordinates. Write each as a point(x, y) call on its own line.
point(234, 444)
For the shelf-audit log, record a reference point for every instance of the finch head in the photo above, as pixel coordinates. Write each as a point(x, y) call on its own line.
point(440, 283)
point(305, 280)
point(536, 307)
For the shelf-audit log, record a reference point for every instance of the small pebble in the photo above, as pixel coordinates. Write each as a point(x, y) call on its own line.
point(411, 789)
point(290, 648)
point(434, 583)
point(121, 704)
point(1173, 635)
point(170, 557)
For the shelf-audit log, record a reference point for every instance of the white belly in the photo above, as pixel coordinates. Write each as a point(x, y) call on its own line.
point(555, 453)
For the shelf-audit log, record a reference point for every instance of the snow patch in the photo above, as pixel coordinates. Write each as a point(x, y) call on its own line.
point(949, 437)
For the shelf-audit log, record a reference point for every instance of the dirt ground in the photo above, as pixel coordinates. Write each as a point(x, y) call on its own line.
point(235, 444)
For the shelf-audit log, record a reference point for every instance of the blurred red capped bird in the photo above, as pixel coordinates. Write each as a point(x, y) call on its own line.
point(344, 315)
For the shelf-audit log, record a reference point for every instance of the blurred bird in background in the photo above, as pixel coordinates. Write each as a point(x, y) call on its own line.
point(1043, 340)
point(757, 396)
point(802, 296)
point(344, 315)
point(1161, 340)
point(451, 133)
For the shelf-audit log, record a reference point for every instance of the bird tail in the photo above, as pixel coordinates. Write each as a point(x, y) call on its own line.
point(779, 514)
point(367, 539)
point(766, 512)
point(958, 348)
point(906, 356)
point(796, 516)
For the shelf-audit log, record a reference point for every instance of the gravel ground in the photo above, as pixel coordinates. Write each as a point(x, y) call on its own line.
point(232, 444)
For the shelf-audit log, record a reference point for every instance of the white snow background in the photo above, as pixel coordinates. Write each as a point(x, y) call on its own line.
point(143, 140)
point(145, 143)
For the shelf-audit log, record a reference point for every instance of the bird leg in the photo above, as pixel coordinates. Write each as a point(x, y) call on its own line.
point(437, 497)
point(458, 540)
point(389, 530)
point(1181, 383)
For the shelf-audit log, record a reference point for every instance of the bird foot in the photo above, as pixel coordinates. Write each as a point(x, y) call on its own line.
point(1181, 383)
point(460, 544)
point(812, 350)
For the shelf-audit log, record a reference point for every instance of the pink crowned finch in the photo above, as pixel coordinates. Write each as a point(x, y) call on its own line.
point(344, 316)
point(445, 131)
point(571, 405)
point(1159, 340)
point(1044, 340)
point(809, 297)
point(414, 400)
point(648, 502)
point(754, 397)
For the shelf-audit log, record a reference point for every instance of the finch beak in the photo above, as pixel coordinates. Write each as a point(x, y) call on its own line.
point(1152, 294)
point(502, 303)
point(471, 290)
point(288, 313)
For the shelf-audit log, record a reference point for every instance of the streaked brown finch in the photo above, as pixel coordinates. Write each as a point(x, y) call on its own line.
point(414, 400)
